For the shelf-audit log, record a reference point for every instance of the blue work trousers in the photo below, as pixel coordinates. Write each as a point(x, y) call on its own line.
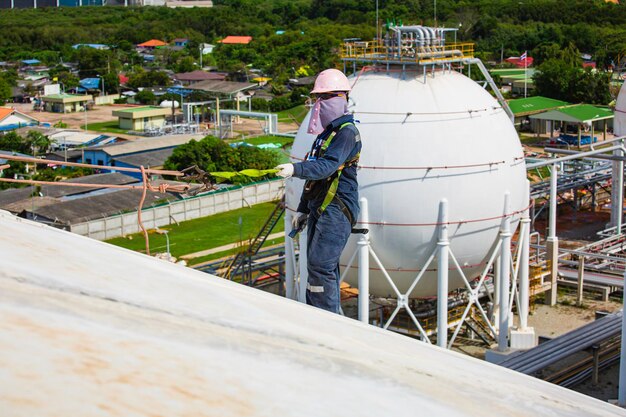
point(326, 238)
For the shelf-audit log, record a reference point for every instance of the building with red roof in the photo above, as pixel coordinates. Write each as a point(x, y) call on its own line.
point(237, 40)
point(152, 43)
point(12, 119)
point(520, 63)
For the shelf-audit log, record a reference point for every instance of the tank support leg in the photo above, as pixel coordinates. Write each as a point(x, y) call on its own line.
point(442, 275)
point(505, 276)
point(364, 267)
point(552, 243)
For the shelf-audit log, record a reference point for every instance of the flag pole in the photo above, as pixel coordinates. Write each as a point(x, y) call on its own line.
point(525, 72)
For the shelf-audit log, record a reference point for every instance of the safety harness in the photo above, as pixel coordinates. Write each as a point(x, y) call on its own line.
point(318, 150)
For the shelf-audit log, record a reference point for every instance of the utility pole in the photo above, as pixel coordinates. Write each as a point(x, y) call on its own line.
point(377, 25)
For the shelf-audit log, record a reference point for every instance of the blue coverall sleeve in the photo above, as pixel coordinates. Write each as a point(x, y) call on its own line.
point(336, 154)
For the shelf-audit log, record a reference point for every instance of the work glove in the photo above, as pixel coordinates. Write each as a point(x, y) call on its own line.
point(299, 221)
point(284, 170)
point(298, 224)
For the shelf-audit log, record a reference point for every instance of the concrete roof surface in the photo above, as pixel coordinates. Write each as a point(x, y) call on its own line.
point(89, 329)
point(146, 144)
point(147, 159)
point(57, 191)
point(222, 87)
point(98, 206)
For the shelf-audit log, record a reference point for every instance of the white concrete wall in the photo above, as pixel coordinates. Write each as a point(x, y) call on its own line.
point(182, 210)
point(108, 99)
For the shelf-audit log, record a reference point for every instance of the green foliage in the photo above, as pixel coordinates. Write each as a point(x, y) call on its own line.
point(142, 78)
point(259, 104)
point(13, 142)
point(61, 173)
point(68, 79)
point(37, 142)
point(7, 80)
point(557, 79)
point(214, 155)
point(5, 91)
point(186, 64)
point(13, 171)
point(313, 29)
point(145, 97)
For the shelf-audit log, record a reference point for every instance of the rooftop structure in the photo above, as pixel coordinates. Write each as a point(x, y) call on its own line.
point(225, 88)
point(578, 113)
point(236, 40)
point(188, 78)
point(14, 195)
point(140, 118)
point(65, 103)
point(182, 342)
point(533, 105)
point(12, 119)
point(152, 43)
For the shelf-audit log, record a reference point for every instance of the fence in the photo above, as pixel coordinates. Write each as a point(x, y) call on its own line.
point(181, 210)
point(107, 99)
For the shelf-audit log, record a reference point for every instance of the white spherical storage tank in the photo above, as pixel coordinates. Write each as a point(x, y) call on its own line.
point(425, 139)
point(620, 113)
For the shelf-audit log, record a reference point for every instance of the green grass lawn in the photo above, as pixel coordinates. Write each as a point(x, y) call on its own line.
point(205, 233)
point(109, 127)
point(298, 112)
point(259, 140)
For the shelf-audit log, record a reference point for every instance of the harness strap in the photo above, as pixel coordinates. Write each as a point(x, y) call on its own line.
point(331, 195)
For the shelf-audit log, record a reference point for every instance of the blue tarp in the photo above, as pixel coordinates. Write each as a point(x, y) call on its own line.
point(179, 90)
point(90, 83)
point(573, 140)
point(31, 61)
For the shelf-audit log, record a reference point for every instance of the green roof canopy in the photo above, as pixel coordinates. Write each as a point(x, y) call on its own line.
point(532, 105)
point(580, 113)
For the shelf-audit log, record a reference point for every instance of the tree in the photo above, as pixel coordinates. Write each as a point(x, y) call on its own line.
point(14, 143)
point(38, 142)
point(557, 79)
point(5, 91)
point(186, 64)
point(145, 97)
point(214, 155)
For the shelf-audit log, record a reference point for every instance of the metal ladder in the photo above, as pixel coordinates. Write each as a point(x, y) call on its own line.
point(240, 259)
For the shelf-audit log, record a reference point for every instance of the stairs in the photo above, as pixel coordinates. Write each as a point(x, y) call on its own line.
point(240, 259)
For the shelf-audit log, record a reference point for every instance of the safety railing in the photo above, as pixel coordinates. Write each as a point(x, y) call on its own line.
point(409, 53)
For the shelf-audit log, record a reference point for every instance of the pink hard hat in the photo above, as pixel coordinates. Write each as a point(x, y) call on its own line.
point(331, 80)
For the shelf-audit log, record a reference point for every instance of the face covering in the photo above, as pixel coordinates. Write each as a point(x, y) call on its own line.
point(315, 125)
point(325, 111)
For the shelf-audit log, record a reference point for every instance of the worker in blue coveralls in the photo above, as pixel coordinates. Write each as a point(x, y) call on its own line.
point(329, 205)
